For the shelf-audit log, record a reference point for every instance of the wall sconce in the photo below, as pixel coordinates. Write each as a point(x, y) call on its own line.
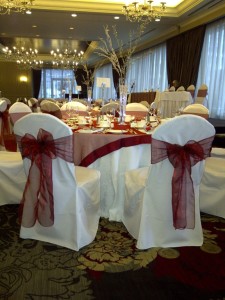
point(23, 78)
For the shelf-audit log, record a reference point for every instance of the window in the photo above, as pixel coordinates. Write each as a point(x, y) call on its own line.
point(57, 83)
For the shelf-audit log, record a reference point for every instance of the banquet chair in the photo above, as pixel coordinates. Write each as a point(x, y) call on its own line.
point(191, 90)
point(18, 110)
point(49, 107)
point(137, 109)
point(12, 177)
point(172, 89)
point(162, 206)
point(80, 101)
point(180, 89)
point(196, 109)
point(212, 187)
point(73, 106)
point(201, 94)
point(4, 123)
point(7, 101)
point(145, 103)
point(33, 104)
point(108, 107)
point(60, 202)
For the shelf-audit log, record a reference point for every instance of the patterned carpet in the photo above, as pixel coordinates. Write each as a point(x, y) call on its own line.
point(111, 267)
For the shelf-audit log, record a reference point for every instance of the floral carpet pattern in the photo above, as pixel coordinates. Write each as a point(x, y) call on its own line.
point(110, 267)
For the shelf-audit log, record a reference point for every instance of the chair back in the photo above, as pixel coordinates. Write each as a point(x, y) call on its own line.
point(73, 107)
point(181, 89)
point(196, 109)
point(164, 187)
point(51, 108)
point(18, 110)
point(109, 107)
point(136, 109)
point(191, 90)
point(201, 94)
point(55, 208)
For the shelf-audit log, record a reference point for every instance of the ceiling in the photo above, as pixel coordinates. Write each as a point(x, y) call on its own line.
point(51, 26)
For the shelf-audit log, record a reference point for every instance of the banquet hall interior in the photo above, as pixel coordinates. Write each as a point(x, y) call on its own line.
point(112, 149)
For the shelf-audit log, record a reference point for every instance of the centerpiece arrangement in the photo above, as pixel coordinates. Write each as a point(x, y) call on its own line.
point(119, 58)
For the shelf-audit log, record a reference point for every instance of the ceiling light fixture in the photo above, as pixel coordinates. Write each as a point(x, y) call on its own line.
point(18, 6)
point(143, 11)
point(67, 58)
point(24, 58)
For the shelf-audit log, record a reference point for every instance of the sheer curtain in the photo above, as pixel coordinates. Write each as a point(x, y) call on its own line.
point(109, 93)
point(212, 68)
point(148, 70)
point(56, 83)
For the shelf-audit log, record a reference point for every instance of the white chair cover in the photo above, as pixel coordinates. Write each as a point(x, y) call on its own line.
point(74, 106)
point(136, 107)
point(12, 177)
point(196, 109)
point(145, 103)
point(180, 89)
point(212, 187)
point(218, 152)
point(172, 89)
point(52, 108)
point(191, 90)
point(18, 110)
point(148, 214)
point(80, 101)
point(76, 191)
point(109, 106)
point(202, 93)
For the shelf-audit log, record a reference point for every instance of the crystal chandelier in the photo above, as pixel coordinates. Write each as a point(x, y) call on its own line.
point(144, 11)
point(20, 6)
point(66, 59)
point(24, 58)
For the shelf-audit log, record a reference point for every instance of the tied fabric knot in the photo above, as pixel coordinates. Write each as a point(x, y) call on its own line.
point(5, 129)
point(37, 203)
point(182, 158)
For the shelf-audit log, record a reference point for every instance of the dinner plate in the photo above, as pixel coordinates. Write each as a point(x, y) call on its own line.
point(116, 131)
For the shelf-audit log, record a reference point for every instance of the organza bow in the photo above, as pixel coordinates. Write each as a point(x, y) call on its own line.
point(183, 158)
point(38, 201)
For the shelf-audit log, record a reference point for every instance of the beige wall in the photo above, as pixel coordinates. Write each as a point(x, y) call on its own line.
point(10, 84)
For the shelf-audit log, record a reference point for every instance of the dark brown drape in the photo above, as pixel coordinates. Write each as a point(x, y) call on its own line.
point(183, 56)
point(36, 82)
point(116, 78)
point(80, 74)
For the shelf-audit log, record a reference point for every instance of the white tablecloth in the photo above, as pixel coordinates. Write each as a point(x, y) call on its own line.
point(170, 102)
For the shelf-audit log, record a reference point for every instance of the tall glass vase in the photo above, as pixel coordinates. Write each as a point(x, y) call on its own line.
point(89, 95)
point(123, 100)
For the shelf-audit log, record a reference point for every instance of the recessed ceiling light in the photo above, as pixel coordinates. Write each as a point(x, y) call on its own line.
point(71, 28)
point(37, 35)
point(116, 18)
point(34, 26)
point(74, 15)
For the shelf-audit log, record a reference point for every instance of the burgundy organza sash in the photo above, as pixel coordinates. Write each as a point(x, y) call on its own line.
point(182, 158)
point(5, 128)
point(38, 202)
